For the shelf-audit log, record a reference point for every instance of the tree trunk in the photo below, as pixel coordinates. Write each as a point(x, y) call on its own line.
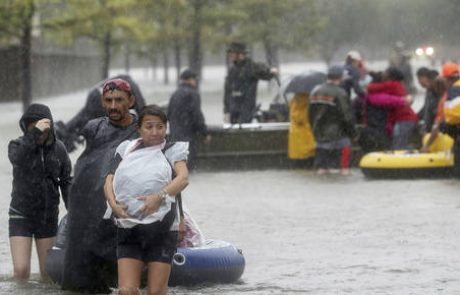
point(106, 56)
point(26, 60)
point(271, 54)
point(166, 66)
point(127, 58)
point(177, 60)
point(196, 54)
point(154, 62)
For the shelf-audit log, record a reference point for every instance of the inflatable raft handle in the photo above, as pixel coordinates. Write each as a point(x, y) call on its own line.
point(179, 259)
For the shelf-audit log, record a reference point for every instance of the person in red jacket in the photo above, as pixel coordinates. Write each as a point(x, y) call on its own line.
point(402, 121)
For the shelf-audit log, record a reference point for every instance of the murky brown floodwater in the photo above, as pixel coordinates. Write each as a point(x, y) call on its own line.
point(301, 233)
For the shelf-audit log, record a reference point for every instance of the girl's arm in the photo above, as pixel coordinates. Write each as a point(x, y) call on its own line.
point(118, 209)
point(177, 185)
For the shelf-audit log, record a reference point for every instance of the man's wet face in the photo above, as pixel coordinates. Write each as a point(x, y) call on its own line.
point(116, 104)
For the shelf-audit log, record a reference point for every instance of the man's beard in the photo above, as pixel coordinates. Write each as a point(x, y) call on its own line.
point(118, 116)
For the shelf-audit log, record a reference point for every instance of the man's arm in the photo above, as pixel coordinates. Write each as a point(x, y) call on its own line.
point(345, 107)
point(198, 117)
point(227, 94)
point(262, 71)
point(65, 180)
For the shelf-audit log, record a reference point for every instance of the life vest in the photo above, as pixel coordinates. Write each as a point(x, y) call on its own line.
point(452, 107)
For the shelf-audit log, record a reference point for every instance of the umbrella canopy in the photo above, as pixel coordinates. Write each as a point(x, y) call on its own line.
point(304, 83)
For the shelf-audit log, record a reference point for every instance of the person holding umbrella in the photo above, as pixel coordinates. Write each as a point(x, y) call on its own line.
point(301, 142)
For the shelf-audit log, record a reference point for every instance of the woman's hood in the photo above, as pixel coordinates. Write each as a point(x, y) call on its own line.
point(34, 113)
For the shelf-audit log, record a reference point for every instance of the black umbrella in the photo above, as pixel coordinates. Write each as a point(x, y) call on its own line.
point(304, 83)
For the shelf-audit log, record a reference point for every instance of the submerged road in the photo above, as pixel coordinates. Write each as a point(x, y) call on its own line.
point(300, 233)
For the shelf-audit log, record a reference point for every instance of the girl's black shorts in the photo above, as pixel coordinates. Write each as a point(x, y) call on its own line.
point(32, 227)
point(143, 242)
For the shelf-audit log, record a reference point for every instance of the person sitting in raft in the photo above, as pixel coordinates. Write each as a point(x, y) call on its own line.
point(439, 90)
point(145, 177)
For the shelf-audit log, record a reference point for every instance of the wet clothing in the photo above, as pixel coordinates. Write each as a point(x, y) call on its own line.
point(428, 111)
point(374, 136)
point(91, 246)
point(21, 226)
point(454, 130)
point(39, 171)
point(402, 113)
point(301, 143)
point(330, 113)
point(240, 90)
point(331, 119)
point(152, 167)
point(186, 120)
point(351, 81)
point(144, 243)
point(93, 109)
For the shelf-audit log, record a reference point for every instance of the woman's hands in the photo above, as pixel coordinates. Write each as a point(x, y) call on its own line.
point(151, 204)
point(119, 210)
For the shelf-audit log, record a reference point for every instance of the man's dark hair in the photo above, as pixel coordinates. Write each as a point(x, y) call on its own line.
point(188, 74)
point(152, 110)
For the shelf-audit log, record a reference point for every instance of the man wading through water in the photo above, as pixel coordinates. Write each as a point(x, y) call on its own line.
point(90, 261)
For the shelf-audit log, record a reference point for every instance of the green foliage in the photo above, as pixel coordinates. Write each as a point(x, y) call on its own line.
point(14, 15)
point(285, 24)
point(96, 20)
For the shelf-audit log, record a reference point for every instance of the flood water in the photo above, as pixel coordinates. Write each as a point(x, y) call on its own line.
point(301, 233)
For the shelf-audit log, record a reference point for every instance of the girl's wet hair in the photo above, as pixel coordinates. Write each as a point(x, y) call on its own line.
point(394, 74)
point(152, 110)
point(428, 73)
point(440, 86)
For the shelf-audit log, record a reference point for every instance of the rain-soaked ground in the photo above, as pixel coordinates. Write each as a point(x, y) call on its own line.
point(300, 233)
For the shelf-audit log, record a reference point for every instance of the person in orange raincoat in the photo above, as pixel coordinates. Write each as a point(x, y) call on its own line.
point(301, 143)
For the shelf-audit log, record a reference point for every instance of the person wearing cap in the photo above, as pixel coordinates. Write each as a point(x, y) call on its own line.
point(69, 132)
point(90, 260)
point(331, 119)
point(354, 74)
point(451, 72)
point(240, 90)
point(186, 120)
point(41, 167)
point(353, 64)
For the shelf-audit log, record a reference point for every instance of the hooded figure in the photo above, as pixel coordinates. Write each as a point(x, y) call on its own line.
point(39, 170)
point(41, 167)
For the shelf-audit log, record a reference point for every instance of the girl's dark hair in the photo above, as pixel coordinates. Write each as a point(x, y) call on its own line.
point(428, 73)
point(440, 86)
point(377, 77)
point(394, 74)
point(152, 110)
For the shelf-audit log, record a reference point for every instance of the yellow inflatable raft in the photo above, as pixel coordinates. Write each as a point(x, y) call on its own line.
point(411, 163)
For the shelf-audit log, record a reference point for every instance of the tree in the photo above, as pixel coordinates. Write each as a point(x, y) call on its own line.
point(109, 23)
point(16, 27)
point(166, 22)
point(277, 24)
